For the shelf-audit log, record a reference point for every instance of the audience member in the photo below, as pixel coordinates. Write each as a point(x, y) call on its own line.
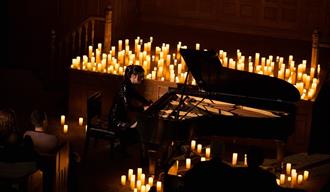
point(254, 177)
point(42, 140)
point(17, 156)
point(212, 175)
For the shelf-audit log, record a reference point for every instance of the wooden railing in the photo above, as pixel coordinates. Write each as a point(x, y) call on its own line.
point(91, 31)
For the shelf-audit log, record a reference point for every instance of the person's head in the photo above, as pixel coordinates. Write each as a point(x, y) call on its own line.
point(255, 157)
point(39, 119)
point(7, 126)
point(134, 74)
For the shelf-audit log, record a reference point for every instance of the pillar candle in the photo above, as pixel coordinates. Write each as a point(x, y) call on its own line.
point(306, 175)
point(139, 172)
point(193, 145)
point(300, 179)
point(151, 181)
point(143, 178)
point(130, 173)
point(159, 186)
point(207, 152)
point(188, 163)
point(123, 179)
point(245, 160)
point(199, 148)
point(65, 129)
point(62, 119)
point(282, 179)
point(234, 159)
point(288, 168)
point(81, 121)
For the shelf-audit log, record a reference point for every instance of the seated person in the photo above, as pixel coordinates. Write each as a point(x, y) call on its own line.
point(43, 141)
point(17, 156)
point(254, 177)
point(125, 105)
point(212, 175)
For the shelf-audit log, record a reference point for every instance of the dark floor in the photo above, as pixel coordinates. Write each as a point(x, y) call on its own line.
point(24, 90)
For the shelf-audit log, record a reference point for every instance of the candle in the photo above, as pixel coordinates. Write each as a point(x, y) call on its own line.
point(245, 159)
point(143, 178)
point(282, 179)
point(81, 121)
point(159, 186)
point(188, 163)
point(306, 175)
point(62, 119)
point(151, 181)
point(148, 187)
point(139, 172)
point(203, 159)
point(123, 179)
point(138, 184)
point(234, 159)
point(207, 152)
point(143, 188)
point(197, 46)
point(130, 173)
point(300, 179)
point(132, 182)
point(65, 129)
point(199, 148)
point(288, 168)
point(193, 145)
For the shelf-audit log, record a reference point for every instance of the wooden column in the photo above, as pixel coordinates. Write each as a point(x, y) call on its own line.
point(107, 29)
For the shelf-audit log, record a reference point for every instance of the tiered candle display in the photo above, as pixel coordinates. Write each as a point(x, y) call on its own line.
point(165, 64)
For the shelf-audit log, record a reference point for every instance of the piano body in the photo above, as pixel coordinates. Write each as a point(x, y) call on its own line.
point(225, 102)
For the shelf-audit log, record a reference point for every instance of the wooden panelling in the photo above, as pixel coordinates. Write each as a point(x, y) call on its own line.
point(277, 18)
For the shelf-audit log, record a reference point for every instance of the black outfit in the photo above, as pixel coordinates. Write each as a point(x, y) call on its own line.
point(122, 115)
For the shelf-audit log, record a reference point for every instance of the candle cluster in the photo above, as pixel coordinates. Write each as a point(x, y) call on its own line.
point(65, 126)
point(165, 64)
point(138, 181)
point(290, 176)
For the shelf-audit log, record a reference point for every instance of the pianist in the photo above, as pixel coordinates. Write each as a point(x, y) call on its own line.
point(127, 102)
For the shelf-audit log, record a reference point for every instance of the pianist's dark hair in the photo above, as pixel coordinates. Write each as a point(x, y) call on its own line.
point(133, 69)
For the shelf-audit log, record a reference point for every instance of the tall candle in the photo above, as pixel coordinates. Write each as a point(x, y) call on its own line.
point(193, 145)
point(151, 181)
point(300, 179)
point(159, 186)
point(234, 159)
point(306, 175)
point(245, 159)
point(207, 152)
point(188, 163)
point(139, 172)
point(288, 168)
point(282, 179)
point(130, 173)
point(65, 128)
point(199, 148)
point(123, 179)
point(81, 121)
point(132, 183)
point(62, 119)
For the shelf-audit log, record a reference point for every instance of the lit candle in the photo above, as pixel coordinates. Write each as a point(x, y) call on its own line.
point(188, 163)
point(300, 179)
point(143, 178)
point(138, 184)
point(81, 121)
point(293, 176)
point(159, 186)
point(197, 46)
point(245, 159)
point(193, 145)
point(132, 183)
point(288, 168)
point(62, 119)
point(123, 179)
point(199, 148)
point(207, 152)
point(139, 172)
point(143, 188)
point(65, 129)
point(203, 159)
point(234, 159)
point(130, 173)
point(282, 179)
point(151, 181)
point(306, 175)
point(148, 187)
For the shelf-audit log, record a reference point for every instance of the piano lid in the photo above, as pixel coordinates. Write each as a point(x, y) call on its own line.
point(211, 76)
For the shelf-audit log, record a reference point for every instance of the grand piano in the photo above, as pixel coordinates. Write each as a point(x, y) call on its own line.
point(225, 102)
